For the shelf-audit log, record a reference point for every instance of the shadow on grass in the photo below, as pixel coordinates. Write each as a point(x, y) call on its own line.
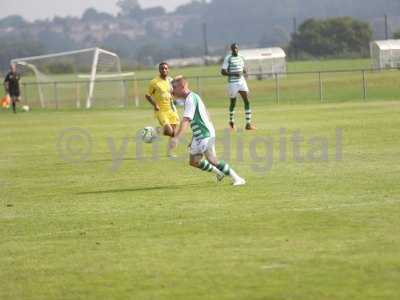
point(107, 160)
point(141, 189)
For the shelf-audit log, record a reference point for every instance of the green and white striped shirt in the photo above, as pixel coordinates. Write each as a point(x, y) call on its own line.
point(195, 110)
point(234, 64)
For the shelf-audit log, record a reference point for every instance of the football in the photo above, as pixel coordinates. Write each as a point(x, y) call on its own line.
point(148, 134)
point(25, 108)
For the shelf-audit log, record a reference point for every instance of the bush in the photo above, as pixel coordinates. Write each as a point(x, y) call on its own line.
point(335, 37)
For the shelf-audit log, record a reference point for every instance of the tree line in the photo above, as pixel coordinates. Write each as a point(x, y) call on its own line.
point(322, 31)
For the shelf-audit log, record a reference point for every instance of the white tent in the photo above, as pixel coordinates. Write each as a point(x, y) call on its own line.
point(192, 61)
point(264, 62)
point(385, 54)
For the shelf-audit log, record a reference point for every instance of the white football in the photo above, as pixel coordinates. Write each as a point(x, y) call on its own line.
point(148, 134)
point(25, 108)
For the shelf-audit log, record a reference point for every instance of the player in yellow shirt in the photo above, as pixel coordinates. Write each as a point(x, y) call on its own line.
point(159, 95)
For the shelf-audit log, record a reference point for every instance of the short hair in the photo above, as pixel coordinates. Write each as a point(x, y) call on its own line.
point(233, 45)
point(162, 63)
point(179, 78)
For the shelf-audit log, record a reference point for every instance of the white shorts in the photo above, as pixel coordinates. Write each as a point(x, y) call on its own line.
point(235, 87)
point(203, 146)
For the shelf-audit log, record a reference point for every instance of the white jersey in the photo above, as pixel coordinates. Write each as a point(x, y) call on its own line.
point(234, 64)
point(195, 110)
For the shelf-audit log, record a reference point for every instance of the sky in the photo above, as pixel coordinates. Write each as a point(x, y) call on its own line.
point(42, 9)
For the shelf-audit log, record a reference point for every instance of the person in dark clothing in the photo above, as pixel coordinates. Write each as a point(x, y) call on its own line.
point(11, 85)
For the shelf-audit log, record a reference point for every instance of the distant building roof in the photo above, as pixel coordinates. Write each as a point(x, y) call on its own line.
point(192, 61)
point(262, 53)
point(388, 44)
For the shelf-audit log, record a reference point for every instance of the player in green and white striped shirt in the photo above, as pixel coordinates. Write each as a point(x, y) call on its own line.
point(234, 68)
point(203, 142)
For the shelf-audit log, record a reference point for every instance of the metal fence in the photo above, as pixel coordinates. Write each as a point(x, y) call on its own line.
point(290, 87)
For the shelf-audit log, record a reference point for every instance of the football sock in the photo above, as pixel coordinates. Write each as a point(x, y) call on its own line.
point(232, 110)
point(206, 166)
point(247, 111)
point(227, 170)
point(224, 167)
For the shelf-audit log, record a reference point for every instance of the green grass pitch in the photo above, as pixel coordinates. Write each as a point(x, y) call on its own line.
point(152, 228)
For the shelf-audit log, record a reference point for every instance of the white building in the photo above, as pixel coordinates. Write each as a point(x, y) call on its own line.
point(192, 61)
point(264, 62)
point(385, 54)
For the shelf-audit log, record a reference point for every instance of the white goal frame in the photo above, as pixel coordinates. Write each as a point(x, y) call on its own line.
point(30, 63)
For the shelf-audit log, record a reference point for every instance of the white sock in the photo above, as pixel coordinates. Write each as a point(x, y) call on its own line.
point(216, 171)
point(234, 175)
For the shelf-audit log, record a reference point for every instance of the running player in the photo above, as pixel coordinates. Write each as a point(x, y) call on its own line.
point(203, 142)
point(234, 68)
point(159, 95)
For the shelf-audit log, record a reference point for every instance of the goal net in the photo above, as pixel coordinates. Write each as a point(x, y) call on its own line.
point(82, 78)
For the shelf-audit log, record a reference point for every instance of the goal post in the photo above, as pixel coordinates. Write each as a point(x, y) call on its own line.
point(92, 78)
point(37, 75)
point(57, 76)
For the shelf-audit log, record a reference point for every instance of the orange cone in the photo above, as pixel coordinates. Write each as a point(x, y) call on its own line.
point(5, 101)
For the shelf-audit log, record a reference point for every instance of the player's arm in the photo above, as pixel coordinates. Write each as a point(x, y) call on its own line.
point(225, 69)
point(183, 127)
point(149, 96)
point(152, 102)
point(6, 84)
point(245, 71)
point(225, 72)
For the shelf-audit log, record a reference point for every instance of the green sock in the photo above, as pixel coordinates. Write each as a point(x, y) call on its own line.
point(224, 167)
point(247, 111)
point(206, 166)
point(232, 111)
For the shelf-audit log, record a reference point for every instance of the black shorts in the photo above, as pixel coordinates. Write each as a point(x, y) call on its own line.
point(14, 94)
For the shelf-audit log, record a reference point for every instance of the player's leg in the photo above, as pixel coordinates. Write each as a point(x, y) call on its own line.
point(165, 129)
point(14, 103)
point(173, 121)
point(196, 160)
point(223, 166)
point(247, 110)
point(232, 113)
point(169, 121)
point(233, 90)
point(168, 130)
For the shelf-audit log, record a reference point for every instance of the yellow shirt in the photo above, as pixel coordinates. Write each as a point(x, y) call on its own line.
point(160, 90)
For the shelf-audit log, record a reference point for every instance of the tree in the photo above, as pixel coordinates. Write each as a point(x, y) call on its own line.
point(92, 15)
point(195, 7)
point(13, 21)
point(56, 41)
point(14, 47)
point(277, 36)
point(396, 34)
point(332, 37)
point(128, 7)
point(120, 44)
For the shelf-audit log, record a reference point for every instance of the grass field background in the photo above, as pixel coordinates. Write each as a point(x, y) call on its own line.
point(155, 228)
point(295, 88)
